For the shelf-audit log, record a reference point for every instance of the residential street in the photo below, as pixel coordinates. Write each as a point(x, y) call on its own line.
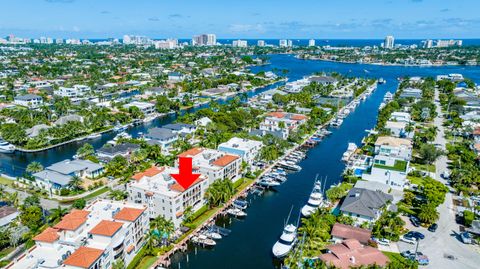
point(445, 241)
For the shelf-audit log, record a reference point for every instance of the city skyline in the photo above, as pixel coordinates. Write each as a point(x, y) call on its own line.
point(409, 19)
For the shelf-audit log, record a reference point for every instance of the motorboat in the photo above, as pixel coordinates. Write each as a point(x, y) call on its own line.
point(241, 204)
point(202, 239)
point(268, 182)
point(6, 147)
point(286, 241)
point(314, 201)
point(289, 165)
point(236, 212)
point(381, 81)
point(122, 135)
point(212, 235)
point(352, 147)
point(119, 128)
point(93, 136)
point(280, 171)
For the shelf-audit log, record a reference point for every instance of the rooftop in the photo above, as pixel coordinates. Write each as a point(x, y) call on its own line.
point(72, 220)
point(129, 214)
point(84, 257)
point(393, 141)
point(364, 202)
point(349, 232)
point(106, 228)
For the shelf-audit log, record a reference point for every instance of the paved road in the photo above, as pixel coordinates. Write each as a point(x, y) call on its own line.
point(445, 240)
point(46, 203)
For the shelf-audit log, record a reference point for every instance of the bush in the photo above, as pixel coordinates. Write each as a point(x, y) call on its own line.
point(468, 217)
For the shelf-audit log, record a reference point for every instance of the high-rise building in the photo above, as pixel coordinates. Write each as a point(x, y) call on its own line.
point(166, 44)
point(282, 43)
point(427, 43)
point(389, 42)
point(311, 43)
point(204, 40)
point(240, 43)
point(448, 43)
point(59, 41)
point(289, 43)
point(261, 43)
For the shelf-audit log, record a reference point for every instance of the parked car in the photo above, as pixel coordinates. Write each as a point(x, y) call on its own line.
point(422, 260)
point(415, 221)
point(466, 238)
point(445, 174)
point(409, 240)
point(410, 254)
point(415, 234)
point(432, 228)
point(383, 241)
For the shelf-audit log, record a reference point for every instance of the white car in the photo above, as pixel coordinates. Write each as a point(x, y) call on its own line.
point(383, 242)
point(408, 240)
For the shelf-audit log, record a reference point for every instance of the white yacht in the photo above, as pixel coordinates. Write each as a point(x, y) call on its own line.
point(6, 147)
point(286, 242)
point(314, 201)
point(236, 212)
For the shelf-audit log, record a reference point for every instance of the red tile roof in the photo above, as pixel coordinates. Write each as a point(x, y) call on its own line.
point(476, 131)
point(150, 172)
point(350, 253)
point(191, 152)
point(83, 257)
point(49, 235)
point(225, 160)
point(349, 232)
point(298, 117)
point(129, 214)
point(178, 188)
point(106, 228)
point(73, 220)
point(277, 114)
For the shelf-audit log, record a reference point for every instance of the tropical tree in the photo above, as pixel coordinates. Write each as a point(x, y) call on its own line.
point(118, 195)
point(56, 214)
point(85, 150)
point(34, 167)
point(220, 191)
point(428, 213)
point(75, 182)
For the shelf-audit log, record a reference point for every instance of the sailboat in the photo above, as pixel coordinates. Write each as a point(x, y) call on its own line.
point(287, 240)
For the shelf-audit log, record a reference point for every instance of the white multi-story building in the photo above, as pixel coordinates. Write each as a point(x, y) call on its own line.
point(92, 238)
point(394, 147)
point(166, 44)
point(214, 164)
point(282, 121)
point(28, 100)
point(261, 43)
point(389, 42)
point(205, 40)
point(245, 148)
point(240, 43)
point(388, 170)
point(76, 91)
point(146, 108)
point(282, 43)
point(311, 43)
point(163, 195)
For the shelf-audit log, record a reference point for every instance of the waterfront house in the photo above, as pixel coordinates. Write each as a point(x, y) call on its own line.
point(411, 93)
point(164, 196)
point(388, 170)
point(76, 91)
point(146, 108)
point(341, 232)
point(282, 121)
point(248, 149)
point(400, 117)
point(214, 164)
point(95, 237)
point(68, 118)
point(394, 147)
point(267, 96)
point(365, 205)
point(161, 136)
point(108, 152)
point(203, 122)
point(324, 80)
point(59, 175)
point(175, 77)
point(35, 130)
point(181, 129)
point(396, 128)
point(7, 215)
point(350, 253)
point(28, 100)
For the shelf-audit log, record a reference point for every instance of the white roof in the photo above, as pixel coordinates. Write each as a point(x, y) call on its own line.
point(241, 144)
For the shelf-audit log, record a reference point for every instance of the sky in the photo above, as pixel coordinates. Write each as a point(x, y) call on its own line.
point(320, 19)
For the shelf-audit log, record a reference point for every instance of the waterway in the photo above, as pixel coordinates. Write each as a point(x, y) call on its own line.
point(250, 243)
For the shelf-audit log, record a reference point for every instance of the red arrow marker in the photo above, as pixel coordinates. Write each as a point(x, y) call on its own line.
point(185, 177)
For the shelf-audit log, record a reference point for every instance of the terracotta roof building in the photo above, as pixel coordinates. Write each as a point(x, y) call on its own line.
point(89, 238)
point(342, 231)
point(350, 253)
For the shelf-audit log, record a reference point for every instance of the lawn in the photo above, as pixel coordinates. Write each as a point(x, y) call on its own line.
point(6, 251)
point(399, 165)
point(147, 262)
point(415, 180)
point(6, 181)
point(398, 259)
point(97, 193)
point(424, 167)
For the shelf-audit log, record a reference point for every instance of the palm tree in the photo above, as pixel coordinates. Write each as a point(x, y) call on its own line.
point(34, 167)
point(75, 182)
point(117, 195)
point(57, 213)
point(86, 150)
